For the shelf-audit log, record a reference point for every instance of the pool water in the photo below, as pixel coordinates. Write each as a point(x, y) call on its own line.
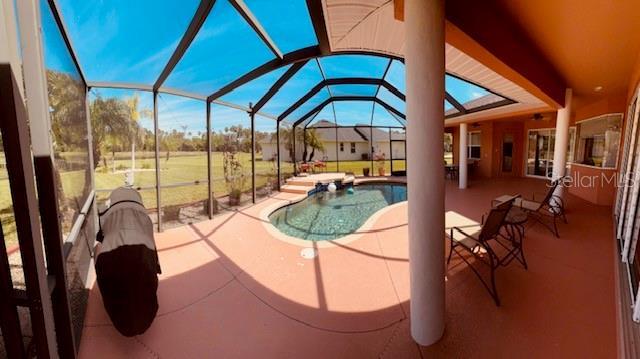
point(325, 216)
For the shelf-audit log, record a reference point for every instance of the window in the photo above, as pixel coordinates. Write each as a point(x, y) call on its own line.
point(473, 145)
point(353, 147)
point(448, 148)
point(341, 147)
point(598, 141)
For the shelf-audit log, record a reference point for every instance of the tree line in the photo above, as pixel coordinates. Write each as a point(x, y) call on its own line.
point(116, 127)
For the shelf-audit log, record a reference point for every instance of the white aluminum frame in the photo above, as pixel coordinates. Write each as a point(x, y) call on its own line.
point(572, 151)
point(597, 118)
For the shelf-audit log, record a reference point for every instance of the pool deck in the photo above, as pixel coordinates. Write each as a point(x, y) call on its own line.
point(229, 288)
point(304, 183)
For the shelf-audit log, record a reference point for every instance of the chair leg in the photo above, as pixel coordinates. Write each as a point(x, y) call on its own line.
point(520, 246)
point(450, 253)
point(555, 226)
point(494, 290)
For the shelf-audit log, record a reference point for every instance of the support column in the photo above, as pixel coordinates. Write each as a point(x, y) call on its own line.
point(278, 153)
point(209, 166)
point(462, 157)
point(304, 144)
point(338, 146)
point(562, 140)
point(253, 154)
point(293, 141)
point(424, 60)
point(156, 136)
point(391, 151)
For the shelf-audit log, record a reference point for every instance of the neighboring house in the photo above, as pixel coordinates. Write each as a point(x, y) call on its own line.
point(343, 143)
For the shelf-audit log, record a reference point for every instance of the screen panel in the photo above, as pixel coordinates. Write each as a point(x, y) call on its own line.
point(295, 33)
point(125, 41)
point(297, 86)
point(231, 156)
point(395, 76)
point(182, 136)
point(252, 91)
point(353, 90)
point(265, 156)
point(392, 100)
point(225, 48)
point(341, 66)
point(67, 110)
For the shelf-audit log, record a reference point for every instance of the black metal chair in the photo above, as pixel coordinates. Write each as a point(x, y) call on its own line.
point(549, 210)
point(477, 241)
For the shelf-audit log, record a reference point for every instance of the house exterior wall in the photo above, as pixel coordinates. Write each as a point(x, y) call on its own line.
point(480, 168)
point(346, 155)
point(269, 152)
point(502, 129)
point(602, 192)
point(381, 147)
point(485, 164)
point(330, 148)
point(493, 133)
point(398, 150)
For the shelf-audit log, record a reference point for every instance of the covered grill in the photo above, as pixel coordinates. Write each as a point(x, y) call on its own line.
point(127, 264)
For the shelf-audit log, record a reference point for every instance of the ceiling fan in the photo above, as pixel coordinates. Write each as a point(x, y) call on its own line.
point(541, 117)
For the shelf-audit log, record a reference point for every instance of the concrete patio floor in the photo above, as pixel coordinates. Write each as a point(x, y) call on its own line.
point(229, 289)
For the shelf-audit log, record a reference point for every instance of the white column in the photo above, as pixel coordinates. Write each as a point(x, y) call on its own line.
point(562, 140)
point(462, 157)
point(424, 61)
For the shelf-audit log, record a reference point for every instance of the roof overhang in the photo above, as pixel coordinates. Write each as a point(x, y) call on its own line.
point(366, 25)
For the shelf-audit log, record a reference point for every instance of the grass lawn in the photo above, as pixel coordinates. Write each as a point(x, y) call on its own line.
point(181, 167)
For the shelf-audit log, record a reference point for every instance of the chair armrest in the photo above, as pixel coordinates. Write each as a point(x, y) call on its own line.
point(464, 234)
point(533, 195)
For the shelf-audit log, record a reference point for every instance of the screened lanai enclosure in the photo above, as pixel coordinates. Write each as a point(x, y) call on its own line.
point(209, 111)
point(218, 108)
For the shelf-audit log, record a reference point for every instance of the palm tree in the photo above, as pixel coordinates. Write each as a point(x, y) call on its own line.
point(313, 141)
point(134, 129)
point(311, 137)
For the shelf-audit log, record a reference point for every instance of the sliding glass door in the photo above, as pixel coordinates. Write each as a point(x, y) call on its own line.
point(540, 152)
point(540, 148)
point(626, 207)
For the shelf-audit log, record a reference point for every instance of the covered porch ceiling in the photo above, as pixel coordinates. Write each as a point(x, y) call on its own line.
point(364, 25)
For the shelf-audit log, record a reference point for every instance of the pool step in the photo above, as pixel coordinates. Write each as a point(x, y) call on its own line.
point(289, 188)
point(301, 181)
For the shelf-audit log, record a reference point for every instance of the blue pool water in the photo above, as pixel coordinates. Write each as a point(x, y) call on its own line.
point(326, 216)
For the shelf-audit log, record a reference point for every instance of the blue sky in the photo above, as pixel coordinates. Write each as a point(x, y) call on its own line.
point(131, 41)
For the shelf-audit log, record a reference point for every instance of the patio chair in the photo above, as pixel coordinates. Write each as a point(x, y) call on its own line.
point(549, 210)
point(476, 241)
point(321, 165)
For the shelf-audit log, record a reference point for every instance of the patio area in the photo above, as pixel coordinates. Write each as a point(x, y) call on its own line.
point(226, 292)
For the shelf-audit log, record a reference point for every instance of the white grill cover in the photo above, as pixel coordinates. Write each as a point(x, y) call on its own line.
point(126, 222)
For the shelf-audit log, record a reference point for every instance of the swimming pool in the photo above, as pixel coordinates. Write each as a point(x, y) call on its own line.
point(325, 216)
